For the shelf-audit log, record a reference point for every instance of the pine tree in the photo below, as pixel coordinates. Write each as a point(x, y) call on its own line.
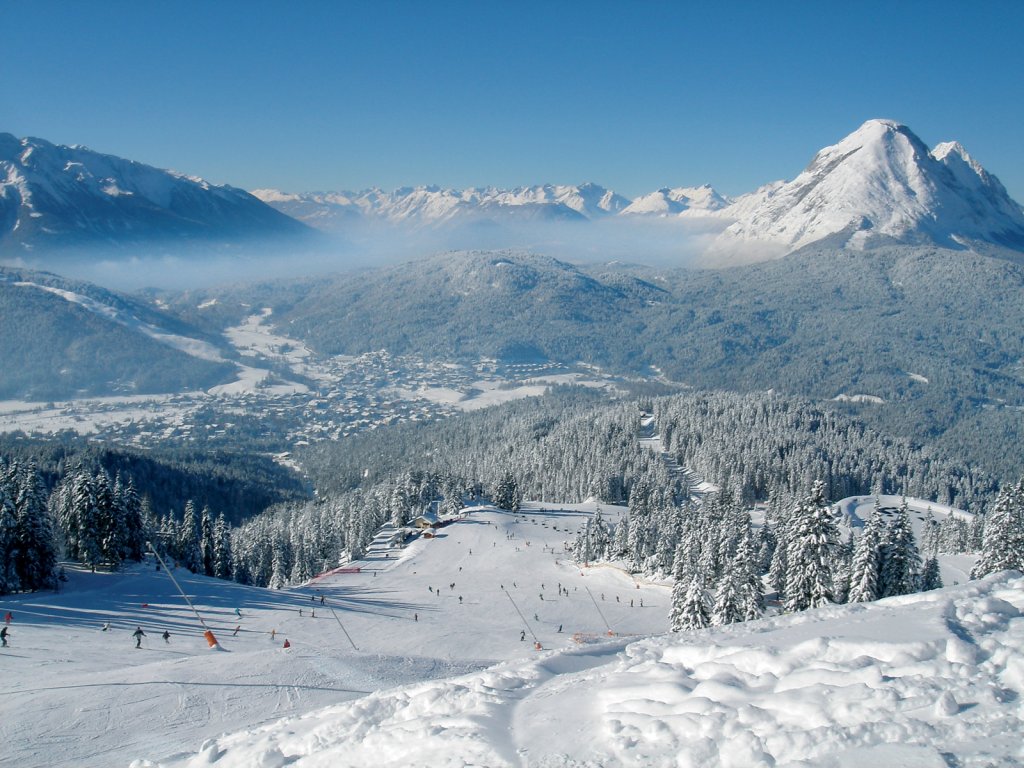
point(113, 535)
point(1003, 542)
point(728, 607)
point(902, 564)
point(206, 541)
point(37, 551)
point(691, 607)
point(222, 560)
point(506, 494)
point(134, 526)
point(809, 553)
point(931, 578)
point(866, 570)
point(746, 566)
point(89, 520)
point(9, 581)
point(189, 551)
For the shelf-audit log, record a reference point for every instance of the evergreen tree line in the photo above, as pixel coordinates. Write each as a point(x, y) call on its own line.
point(239, 482)
point(757, 442)
point(720, 573)
point(97, 521)
point(101, 520)
point(199, 541)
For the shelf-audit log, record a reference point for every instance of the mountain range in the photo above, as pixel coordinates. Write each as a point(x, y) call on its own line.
point(55, 197)
point(880, 185)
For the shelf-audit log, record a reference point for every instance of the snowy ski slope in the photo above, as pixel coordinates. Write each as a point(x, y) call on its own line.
point(438, 680)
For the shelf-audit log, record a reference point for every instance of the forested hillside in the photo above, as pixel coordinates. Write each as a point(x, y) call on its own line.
point(563, 449)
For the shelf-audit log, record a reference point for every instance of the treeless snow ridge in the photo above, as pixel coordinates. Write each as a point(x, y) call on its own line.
point(930, 679)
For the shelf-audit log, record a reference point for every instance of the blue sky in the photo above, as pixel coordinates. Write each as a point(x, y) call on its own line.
point(345, 95)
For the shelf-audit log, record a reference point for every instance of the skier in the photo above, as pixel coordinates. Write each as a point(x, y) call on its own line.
point(238, 612)
point(166, 636)
point(415, 617)
point(8, 618)
point(559, 627)
point(321, 599)
point(3, 637)
point(522, 635)
point(138, 634)
point(106, 626)
point(460, 599)
point(236, 630)
point(273, 634)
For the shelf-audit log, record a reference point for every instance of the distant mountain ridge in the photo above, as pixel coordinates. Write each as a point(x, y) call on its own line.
point(878, 186)
point(55, 196)
point(433, 206)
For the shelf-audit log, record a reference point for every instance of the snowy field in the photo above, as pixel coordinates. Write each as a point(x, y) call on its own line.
point(428, 656)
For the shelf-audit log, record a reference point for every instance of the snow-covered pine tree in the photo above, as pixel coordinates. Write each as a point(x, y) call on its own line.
point(506, 493)
point(953, 535)
point(222, 561)
point(113, 531)
point(206, 541)
point(399, 505)
point(37, 549)
point(9, 581)
point(134, 525)
point(691, 607)
point(811, 542)
point(866, 568)
point(728, 608)
point(1003, 543)
point(189, 551)
point(842, 569)
point(931, 578)
point(901, 567)
point(747, 567)
point(89, 519)
point(581, 551)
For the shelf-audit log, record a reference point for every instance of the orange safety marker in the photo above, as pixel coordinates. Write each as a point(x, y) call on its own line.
point(210, 638)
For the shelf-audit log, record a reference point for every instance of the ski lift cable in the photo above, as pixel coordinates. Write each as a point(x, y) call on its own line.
point(335, 615)
point(606, 624)
point(206, 630)
point(525, 622)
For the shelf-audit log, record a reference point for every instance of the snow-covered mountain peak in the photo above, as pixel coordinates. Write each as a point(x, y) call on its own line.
point(880, 185)
point(678, 200)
